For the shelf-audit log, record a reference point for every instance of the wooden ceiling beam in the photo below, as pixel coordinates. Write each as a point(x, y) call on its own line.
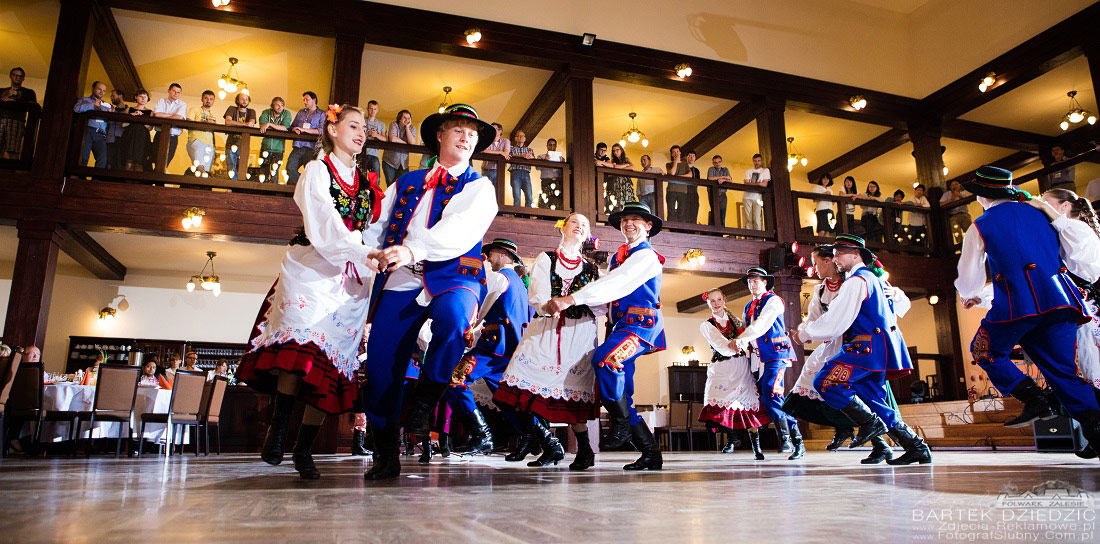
point(109, 45)
point(725, 126)
point(982, 133)
point(1011, 163)
point(88, 253)
point(876, 147)
point(545, 105)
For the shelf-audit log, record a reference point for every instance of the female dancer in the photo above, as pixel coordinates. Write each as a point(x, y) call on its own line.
point(306, 339)
point(550, 374)
point(731, 400)
point(618, 190)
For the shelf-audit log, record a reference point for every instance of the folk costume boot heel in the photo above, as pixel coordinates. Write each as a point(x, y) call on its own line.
point(552, 450)
point(1035, 402)
point(272, 452)
point(870, 425)
point(880, 451)
point(425, 397)
point(444, 445)
point(585, 457)
point(796, 440)
point(425, 450)
point(387, 453)
point(783, 431)
point(303, 452)
point(483, 438)
point(528, 441)
point(619, 433)
point(754, 440)
point(916, 451)
point(642, 439)
point(357, 439)
point(840, 435)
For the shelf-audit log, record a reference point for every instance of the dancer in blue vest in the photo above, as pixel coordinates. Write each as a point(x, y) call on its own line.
point(854, 380)
point(502, 326)
point(1035, 304)
point(633, 287)
point(765, 331)
point(430, 268)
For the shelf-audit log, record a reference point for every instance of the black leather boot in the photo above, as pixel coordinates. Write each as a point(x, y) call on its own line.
point(425, 450)
point(357, 439)
point(840, 435)
point(1090, 427)
point(303, 452)
point(444, 445)
point(880, 451)
point(1035, 402)
point(528, 441)
point(754, 439)
point(732, 442)
point(387, 453)
point(916, 451)
point(783, 431)
point(870, 425)
point(483, 438)
point(425, 397)
point(272, 452)
point(552, 450)
point(799, 446)
point(585, 457)
point(642, 439)
point(619, 433)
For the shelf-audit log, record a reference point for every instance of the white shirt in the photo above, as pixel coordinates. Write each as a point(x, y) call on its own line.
point(172, 107)
point(1079, 247)
point(638, 268)
point(714, 337)
point(324, 227)
point(823, 204)
point(763, 174)
point(463, 223)
point(497, 284)
point(843, 311)
point(771, 311)
point(918, 219)
point(971, 280)
point(1092, 190)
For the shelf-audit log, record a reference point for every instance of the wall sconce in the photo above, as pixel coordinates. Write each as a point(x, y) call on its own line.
point(107, 314)
point(687, 350)
point(683, 70)
point(693, 257)
point(192, 217)
point(987, 82)
point(857, 102)
point(587, 39)
point(933, 299)
point(473, 36)
point(219, 3)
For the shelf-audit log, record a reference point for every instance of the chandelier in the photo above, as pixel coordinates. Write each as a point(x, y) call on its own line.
point(632, 133)
point(793, 156)
point(231, 81)
point(446, 93)
point(1076, 113)
point(210, 283)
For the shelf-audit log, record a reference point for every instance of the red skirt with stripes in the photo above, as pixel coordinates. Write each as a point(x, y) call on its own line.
point(553, 410)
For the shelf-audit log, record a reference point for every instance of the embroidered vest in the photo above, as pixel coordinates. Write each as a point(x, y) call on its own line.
point(587, 274)
point(774, 344)
point(355, 209)
point(729, 332)
point(505, 320)
point(640, 311)
point(873, 341)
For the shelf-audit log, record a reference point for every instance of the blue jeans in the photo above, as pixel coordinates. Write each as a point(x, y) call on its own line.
point(392, 172)
point(299, 157)
point(271, 164)
point(521, 182)
point(231, 163)
point(491, 174)
point(95, 142)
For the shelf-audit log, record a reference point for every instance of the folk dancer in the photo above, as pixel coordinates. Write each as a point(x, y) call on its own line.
point(633, 287)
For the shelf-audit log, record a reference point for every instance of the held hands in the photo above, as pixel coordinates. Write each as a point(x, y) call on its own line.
point(555, 305)
point(969, 303)
point(393, 257)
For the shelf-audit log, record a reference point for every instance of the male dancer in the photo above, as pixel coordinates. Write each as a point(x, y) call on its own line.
point(436, 218)
point(765, 330)
point(633, 287)
point(503, 324)
point(1035, 303)
point(873, 351)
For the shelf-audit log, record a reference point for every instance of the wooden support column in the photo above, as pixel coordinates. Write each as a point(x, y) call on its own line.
point(347, 66)
point(581, 143)
point(952, 374)
point(32, 283)
point(771, 130)
point(64, 84)
point(928, 152)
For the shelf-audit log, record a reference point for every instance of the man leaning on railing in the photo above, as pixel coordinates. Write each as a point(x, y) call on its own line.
point(12, 121)
point(95, 133)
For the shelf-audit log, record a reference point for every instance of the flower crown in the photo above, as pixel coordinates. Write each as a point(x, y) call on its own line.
point(333, 112)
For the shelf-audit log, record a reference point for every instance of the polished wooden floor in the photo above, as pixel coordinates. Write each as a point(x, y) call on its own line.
point(699, 497)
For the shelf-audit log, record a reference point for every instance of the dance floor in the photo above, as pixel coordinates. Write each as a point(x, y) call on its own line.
point(699, 497)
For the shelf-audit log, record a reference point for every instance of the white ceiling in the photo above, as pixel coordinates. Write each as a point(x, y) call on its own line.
point(1038, 106)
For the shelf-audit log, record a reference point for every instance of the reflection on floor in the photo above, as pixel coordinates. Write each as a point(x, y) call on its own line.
point(700, 497)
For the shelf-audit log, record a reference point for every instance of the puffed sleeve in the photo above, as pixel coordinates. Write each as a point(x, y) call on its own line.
point(323, 225)
point(539, 291)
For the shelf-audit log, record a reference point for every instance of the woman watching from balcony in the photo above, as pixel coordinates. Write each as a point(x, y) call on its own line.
point(135, 136)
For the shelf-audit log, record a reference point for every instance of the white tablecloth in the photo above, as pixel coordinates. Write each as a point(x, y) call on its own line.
point(72, 397)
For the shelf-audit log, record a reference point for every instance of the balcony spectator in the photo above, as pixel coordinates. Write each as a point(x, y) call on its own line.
point(958, 218)
point(899, 233)
point(12, 123)
point(520, 173)
point(169, 108)
point(1062, 179)
point(850, 191)
point(135, 136)
point(719, 173)
point(647, 188)
point(824, 208)
point(200, 143)
point(237, 115)
point(551, 197)
point(376, 130)
point(95, 132)
point(916, 223)
point(396, 163)
point(114, 130)
point(676, 193)
point(618, 190)
point(271, 149)
point(692, 211)
point(602, 159)
point(871, 217)
point(754, 202)
point(308, 120)
point(500, 146)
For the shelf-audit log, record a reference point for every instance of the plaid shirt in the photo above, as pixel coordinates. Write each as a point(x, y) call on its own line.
point(520, 152)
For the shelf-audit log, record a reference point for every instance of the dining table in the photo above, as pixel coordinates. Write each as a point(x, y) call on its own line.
point(71, 396)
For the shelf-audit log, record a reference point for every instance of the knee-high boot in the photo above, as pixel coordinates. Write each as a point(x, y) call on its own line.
point(303, 452)
point(880, 451)
point(528, 441)
point(1035, 402)
point(619, 433)
point(796, 440)
point(483, 437)
point(552, 450)
point(754, 440)
point(783, 431)
point(585, 457)
point(870, 425)
point(387, 453)
point(272, 452)
point(425, 397)
point(916, 451)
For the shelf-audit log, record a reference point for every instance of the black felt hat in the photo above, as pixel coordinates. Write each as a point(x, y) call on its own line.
point(993, 182)
point(636, 208)
point(757, 272)
point(505, 245)
point(486, 133)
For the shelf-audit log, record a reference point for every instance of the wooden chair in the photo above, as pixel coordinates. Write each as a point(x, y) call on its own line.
point(679, 421)
point(210, 412)
point(183, 410)
point(115, 393)
point(26, 402)
point(9, 364)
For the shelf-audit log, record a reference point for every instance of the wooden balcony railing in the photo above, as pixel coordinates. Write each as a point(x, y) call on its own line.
point(21, 119)
point(886, 232)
